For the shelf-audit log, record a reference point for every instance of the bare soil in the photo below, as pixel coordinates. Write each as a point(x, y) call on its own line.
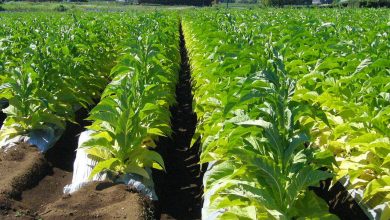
point(48, 190)
point(20, 167)
point(99, 200)
point(60, 159)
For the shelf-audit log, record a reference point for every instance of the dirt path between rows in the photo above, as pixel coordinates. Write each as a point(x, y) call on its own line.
point(180, 188)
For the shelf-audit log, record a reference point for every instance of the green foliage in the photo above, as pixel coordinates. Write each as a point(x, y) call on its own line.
point(250, 125)
point(266, 79)
point(134, 109)
point(52, 66)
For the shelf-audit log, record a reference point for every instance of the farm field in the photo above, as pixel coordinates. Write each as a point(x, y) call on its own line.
point(195, 114)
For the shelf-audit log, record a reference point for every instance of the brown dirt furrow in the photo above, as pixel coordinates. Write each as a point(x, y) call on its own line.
point(180, 188)
point(99, 200)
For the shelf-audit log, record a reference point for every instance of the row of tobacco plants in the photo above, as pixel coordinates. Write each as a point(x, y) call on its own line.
point(134, 108)
point(53, 65)
point(285, 99)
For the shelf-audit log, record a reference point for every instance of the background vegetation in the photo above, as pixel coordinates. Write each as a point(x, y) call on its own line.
point(120, 5)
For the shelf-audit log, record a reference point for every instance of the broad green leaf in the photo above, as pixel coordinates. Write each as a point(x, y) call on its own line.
point(103, 166)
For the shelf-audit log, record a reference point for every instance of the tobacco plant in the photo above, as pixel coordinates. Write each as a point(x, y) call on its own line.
point(338, 60)
point(250, 131)
point(134, 109)
point(53, 66)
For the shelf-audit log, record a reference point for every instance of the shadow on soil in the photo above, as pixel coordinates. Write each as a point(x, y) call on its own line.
point(180, 188)
point(3, 116)
point(339, 201)
point(63, 154)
